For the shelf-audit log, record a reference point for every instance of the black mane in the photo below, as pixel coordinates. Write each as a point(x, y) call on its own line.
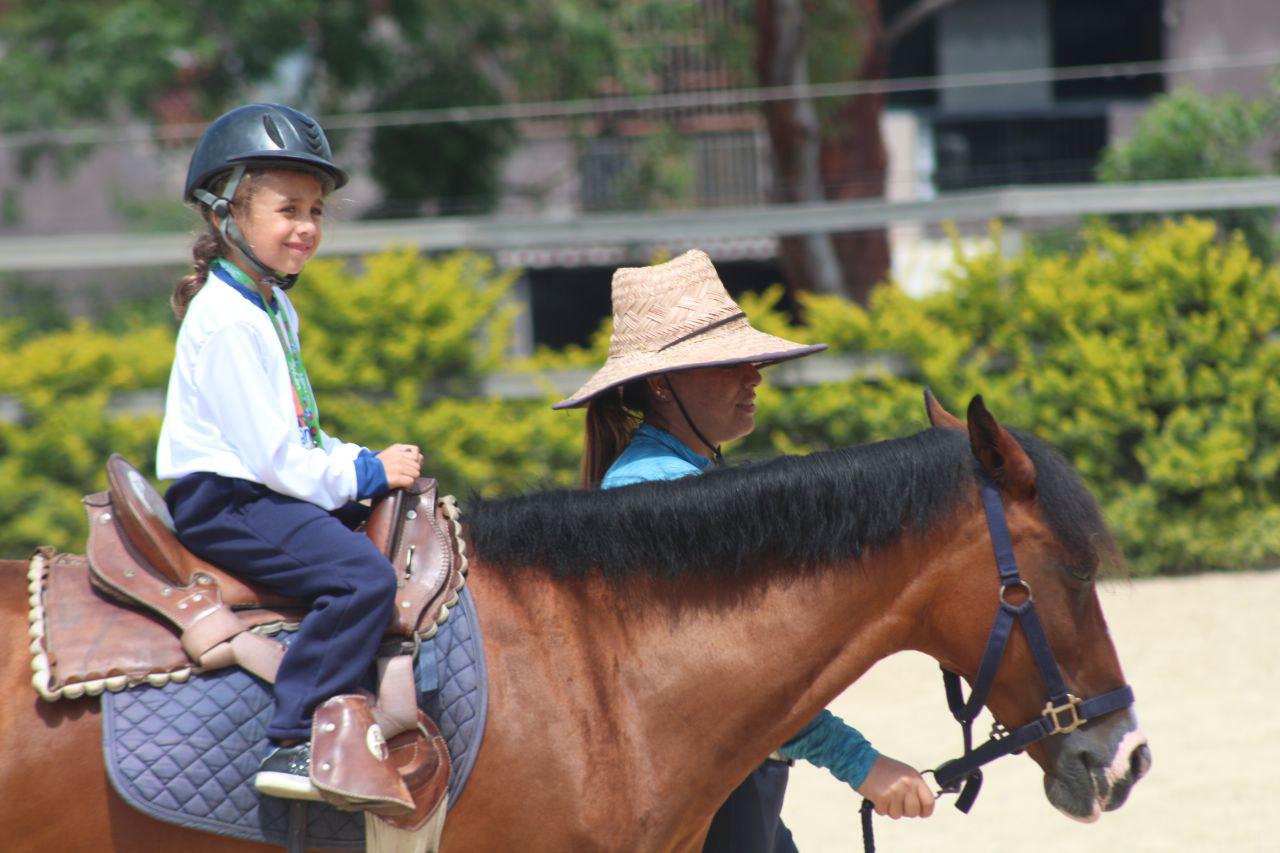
point(798, 511)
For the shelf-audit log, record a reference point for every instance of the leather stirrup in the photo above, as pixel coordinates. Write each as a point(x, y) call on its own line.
point(350, 762)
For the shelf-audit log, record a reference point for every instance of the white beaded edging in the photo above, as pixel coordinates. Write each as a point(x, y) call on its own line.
point(42, 680)
point(449, 504)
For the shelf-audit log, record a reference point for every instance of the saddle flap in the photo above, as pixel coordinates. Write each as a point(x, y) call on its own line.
point(87, 643)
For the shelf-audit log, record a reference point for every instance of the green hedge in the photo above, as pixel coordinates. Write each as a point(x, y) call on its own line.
point(1149, 359)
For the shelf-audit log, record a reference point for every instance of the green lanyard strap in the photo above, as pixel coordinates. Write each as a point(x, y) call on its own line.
point(304, 398)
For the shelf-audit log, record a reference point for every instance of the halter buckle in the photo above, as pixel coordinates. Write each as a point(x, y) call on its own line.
point(1065, 717)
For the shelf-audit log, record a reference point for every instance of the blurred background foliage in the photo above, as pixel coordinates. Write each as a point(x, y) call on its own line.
point(175, 65)
point(1187, 134)
point(1149, 357)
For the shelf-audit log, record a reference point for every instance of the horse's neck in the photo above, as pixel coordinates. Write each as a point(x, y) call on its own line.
point(757, 669)
point(677, 686)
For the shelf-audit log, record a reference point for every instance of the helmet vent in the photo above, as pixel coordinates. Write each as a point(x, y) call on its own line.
point(272, 131)
point(315, 139)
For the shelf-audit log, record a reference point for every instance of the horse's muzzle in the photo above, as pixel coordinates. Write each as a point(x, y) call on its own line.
point(1095, 768)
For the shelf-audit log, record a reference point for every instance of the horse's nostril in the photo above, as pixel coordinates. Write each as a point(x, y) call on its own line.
point(1140, 761)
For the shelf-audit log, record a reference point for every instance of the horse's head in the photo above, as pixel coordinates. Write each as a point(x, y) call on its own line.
point(1060, 542)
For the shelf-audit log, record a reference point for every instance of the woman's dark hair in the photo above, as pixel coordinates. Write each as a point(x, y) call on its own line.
point(612, 418)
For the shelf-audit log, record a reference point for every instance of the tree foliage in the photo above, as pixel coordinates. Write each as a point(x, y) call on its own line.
point(66, 64)
point(1187, 134)
point(1151, 360)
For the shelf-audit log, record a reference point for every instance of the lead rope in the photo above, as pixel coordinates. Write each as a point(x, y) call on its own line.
point(868, 835)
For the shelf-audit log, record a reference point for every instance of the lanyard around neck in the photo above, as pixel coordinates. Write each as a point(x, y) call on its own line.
point(304, 398)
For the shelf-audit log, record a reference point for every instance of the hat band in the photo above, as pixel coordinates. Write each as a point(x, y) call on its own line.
point(704, 329)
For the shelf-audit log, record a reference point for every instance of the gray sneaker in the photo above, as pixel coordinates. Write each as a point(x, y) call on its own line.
point(286, 773)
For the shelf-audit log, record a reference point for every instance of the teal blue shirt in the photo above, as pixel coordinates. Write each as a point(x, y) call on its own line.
point(653, 454)
point(827, 741)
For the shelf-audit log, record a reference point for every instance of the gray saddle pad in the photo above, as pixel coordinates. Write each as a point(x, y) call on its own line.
point(187, 753)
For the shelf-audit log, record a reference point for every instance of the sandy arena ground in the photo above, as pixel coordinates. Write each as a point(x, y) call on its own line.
point(1202, 656)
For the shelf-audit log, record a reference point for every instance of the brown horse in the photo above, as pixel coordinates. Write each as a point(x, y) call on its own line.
point(648, 646)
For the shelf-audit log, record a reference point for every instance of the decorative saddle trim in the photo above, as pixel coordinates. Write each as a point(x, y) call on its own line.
point(51, 686)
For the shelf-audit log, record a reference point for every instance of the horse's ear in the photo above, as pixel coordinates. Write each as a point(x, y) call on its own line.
point(999, 453)
point(939, 416)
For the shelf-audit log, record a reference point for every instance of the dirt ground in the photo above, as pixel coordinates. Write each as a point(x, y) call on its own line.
point(1202, 657)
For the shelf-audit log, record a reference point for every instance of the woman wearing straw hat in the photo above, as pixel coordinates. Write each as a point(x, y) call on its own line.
point(680, 380)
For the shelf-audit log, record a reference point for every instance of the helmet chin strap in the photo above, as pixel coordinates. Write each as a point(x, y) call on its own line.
point(717, 457)
point(230, 231)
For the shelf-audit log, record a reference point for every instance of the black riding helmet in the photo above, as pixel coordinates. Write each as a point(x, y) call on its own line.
point(255, 135)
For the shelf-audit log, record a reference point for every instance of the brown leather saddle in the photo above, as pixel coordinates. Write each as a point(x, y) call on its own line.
point(197, 617)
point(135, 556)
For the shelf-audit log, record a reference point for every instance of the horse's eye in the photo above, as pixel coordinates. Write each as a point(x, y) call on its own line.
point(1084, 574)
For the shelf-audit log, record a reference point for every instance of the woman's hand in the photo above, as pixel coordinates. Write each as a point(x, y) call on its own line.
point(896, 789)
point(403, 463)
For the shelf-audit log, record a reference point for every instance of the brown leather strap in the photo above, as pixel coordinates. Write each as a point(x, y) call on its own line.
point(207, 624)
point(397, 706)
point(254, 652)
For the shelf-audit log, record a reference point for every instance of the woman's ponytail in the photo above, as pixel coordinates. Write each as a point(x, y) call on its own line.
point(612, 418)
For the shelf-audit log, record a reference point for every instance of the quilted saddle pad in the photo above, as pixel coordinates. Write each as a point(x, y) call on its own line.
point(187, 753)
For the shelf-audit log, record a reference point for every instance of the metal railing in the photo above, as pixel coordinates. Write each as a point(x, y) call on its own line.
point(1010, 204)
point(518, 385)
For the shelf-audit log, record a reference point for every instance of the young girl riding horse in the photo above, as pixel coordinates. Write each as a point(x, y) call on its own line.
point(680, 380)
point(261, 490)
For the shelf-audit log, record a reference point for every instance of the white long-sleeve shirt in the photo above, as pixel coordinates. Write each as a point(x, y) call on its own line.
point(230, 408)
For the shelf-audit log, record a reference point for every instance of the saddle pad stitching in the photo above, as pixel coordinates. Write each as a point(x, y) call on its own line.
point(149, 757)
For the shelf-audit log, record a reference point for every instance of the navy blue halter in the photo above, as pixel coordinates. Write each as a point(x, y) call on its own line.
point(1063, 713)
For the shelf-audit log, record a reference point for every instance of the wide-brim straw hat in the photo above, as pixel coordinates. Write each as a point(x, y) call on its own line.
point(676, 316)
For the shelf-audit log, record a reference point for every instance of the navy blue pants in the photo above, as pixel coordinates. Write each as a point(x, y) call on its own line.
point(297, 549)
point(750, 821)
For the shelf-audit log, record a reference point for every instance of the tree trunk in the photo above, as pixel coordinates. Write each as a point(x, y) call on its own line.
point(808, 261)
point(854, 163)
point(847, 161)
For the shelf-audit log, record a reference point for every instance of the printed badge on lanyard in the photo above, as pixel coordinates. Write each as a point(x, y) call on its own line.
point(304, 399)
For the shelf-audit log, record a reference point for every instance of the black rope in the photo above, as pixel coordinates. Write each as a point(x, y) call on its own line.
point(868, 836)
